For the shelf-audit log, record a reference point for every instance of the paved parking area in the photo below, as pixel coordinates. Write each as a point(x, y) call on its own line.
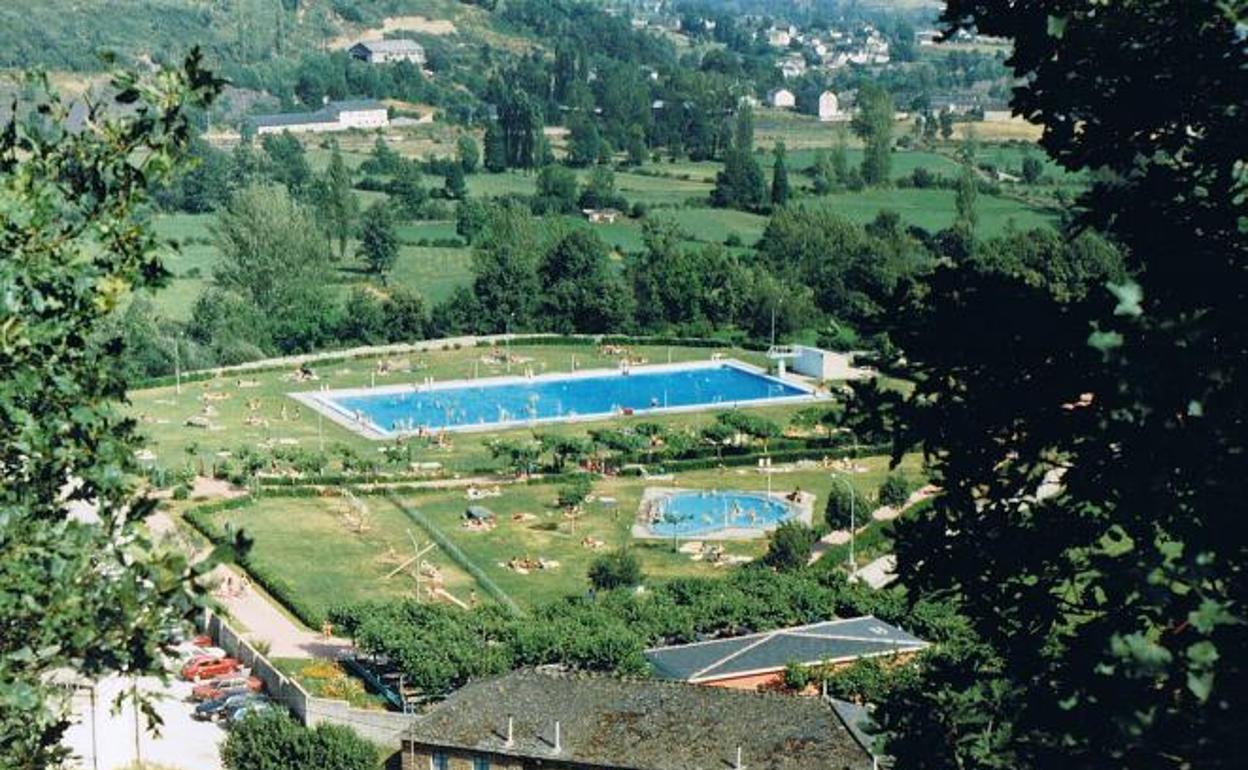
point(108, 741)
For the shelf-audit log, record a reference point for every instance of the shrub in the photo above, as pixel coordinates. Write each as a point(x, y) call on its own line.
point(895, 490)
point(797, 676)
point(620, 569)
point(181, 492)
point(273, 740)
point(733, 240)
point(843, 506)
point(790, 546)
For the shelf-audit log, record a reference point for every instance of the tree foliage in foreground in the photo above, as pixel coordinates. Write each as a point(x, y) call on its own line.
point(271, 740)
point(1110, 612)
point(87, 592)
point(439, 648)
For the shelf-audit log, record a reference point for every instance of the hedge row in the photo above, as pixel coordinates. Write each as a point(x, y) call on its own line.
point(201, 519)
point(792, 455)
point(583, 340)
point(452, 550)
point(277, 486)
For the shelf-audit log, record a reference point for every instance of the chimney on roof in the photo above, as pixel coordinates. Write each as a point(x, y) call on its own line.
point(510, 728)
point(738, 765)
point(558, 743)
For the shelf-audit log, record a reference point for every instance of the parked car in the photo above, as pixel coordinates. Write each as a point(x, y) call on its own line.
point(226, 685)
point(191, 651)
point(254, 707)
point(221, 706)
point(205, 667)
point(213, 692)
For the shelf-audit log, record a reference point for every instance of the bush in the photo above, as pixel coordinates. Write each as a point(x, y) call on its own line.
point(895, 490)
point(271, 740)
point(790, 546)
point(844, 506)
point(620, 569)
point(797, 676)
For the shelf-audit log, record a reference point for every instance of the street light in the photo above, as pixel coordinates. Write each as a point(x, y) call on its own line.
point(507, 339)
point(853, 525)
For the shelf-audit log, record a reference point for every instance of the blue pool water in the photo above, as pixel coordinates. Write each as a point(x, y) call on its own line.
point(697, 513)
point(500, 403)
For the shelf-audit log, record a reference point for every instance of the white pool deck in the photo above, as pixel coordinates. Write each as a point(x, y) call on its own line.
point(805, 505)
point(325, 401)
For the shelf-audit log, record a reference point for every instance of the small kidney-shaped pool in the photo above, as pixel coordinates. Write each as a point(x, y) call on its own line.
point(702, 512)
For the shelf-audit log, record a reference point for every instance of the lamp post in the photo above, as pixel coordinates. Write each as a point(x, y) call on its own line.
point(507, 340)
point(853, 524)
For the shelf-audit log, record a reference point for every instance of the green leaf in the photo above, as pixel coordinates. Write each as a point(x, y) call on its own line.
point(1129, 294)
point(1200, 684)
point(1057, 26)
point(1204, 653)
point(1104, 341)
point(1209, 615)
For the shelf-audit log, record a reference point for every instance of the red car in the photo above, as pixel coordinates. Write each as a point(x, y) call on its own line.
point(228, 685)
point(207, 668)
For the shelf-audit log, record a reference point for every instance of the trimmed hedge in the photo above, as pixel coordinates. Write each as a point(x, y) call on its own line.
point(793, 455)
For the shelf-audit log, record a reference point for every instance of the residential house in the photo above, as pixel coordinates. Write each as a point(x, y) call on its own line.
point(602, 216)
point(387, 51)
point(828, 107)
point(557, 720)
point(757, 661)
point(335, 116)
point(779, 38)
point(781, 98)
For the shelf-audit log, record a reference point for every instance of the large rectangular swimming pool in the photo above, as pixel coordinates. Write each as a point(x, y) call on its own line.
point(504, 402)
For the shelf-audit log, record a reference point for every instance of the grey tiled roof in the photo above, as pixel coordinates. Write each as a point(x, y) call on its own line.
point(327, 114)
point(607, 722)
point(830, 641)
point(392, 45)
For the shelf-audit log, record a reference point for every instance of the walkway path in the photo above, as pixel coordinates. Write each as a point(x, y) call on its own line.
point(250, 609)
point(260, 620)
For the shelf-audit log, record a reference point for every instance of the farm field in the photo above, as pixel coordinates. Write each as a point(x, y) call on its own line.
point(308, 542)
point(436, 269)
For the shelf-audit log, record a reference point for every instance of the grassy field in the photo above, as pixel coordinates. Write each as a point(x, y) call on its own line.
point(668, 188)
point(307, 542)
point(163, 413)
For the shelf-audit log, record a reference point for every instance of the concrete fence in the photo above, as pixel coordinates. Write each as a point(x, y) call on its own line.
point(381, 727)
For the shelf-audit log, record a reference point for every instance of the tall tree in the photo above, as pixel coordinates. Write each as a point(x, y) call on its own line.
point(336, 202)
point(779, 178)
point(741, 184)
point(874, 125)
point(504, 267)
point(288, 160)
point(1106, 607)
point(379, 241)
point(495, 148)
point(85, 587)
point(584, 142)
point(964, 199)
point(468, 153)
point(273, 254)
point(581, 291)
point(454, 186)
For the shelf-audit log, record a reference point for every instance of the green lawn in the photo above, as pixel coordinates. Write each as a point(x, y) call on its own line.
point(934, 209)
point(310, 543)
point(306, 542)
point(162, 413)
